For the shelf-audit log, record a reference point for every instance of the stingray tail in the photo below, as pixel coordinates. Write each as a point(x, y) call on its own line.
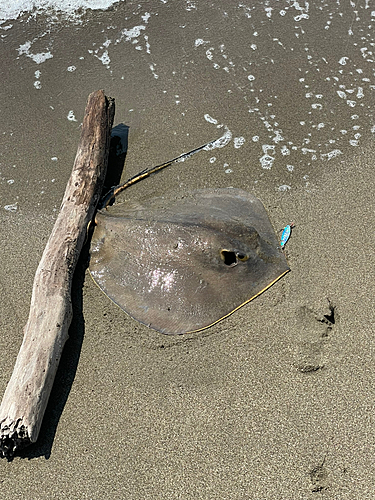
point(109, 197)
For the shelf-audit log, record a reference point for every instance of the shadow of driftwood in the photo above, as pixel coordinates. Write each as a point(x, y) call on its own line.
point(117, 154)
point(69, 360)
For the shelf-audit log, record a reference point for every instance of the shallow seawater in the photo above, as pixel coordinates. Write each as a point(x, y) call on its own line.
point(287, 87)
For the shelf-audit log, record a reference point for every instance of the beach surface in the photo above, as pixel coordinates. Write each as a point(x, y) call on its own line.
point(277, 400)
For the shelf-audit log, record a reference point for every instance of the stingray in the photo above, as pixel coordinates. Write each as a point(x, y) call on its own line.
point(182, 265)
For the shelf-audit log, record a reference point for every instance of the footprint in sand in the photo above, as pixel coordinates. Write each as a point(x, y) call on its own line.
point(319, 478)
point(314, 336)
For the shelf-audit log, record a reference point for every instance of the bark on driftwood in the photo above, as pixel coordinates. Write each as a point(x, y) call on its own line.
point(46, 331)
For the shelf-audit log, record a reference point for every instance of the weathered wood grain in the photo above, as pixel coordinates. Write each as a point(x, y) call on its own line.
point(46, 331)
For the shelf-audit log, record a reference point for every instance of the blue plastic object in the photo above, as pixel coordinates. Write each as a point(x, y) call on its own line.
point(285, 235)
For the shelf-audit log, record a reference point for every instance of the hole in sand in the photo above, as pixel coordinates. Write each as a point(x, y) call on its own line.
point(330, 317)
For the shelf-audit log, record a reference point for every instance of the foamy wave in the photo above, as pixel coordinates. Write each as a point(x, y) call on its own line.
point(15, 8)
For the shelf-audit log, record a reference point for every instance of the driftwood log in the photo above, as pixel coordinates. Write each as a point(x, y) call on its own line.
point(46, 331)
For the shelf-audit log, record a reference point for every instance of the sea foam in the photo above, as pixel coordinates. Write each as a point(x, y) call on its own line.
point(15, 8)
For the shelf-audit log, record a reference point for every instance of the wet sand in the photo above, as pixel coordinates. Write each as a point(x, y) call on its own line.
point(276, 401)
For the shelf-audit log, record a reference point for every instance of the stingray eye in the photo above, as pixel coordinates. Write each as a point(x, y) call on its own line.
point(229, 257)
point(242, 256)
